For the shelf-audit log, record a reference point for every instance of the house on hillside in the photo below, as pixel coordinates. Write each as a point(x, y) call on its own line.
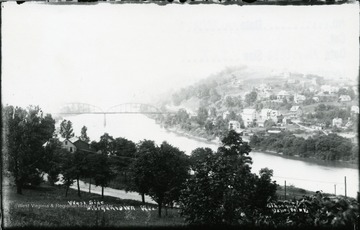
point(344, 98)
point(75, 144)
point(296, 111)
point(298, 98)
point(337, 122)
point(266, 114)
point(249, 116)
point(235, 125)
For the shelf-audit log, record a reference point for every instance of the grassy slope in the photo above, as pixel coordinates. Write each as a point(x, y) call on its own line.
point(34, 209)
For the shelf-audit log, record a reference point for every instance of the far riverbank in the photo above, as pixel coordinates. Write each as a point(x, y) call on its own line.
point(338, 164)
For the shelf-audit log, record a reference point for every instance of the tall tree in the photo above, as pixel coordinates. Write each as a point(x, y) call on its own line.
point(139, 182)
point(68, 169)
point(164, 169)
point(123, 155)
point(84, 136)
point(66, 130)
point(103, 173)
point(220, 191)
point(53, 158)
point(251, 98)
point(26, 130)
point(106, 145)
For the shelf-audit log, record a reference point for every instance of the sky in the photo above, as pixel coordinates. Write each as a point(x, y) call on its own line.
point(108, 54)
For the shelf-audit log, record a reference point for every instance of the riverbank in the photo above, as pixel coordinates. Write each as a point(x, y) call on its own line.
point(338, 164)
point(182, 133)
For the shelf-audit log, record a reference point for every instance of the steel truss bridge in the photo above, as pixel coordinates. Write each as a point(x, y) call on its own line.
point(124, 108)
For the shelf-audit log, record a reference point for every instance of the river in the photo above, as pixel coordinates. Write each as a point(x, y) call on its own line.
point(300, 173)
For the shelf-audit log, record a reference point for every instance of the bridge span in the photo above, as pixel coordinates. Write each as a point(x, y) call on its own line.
point(124, 108)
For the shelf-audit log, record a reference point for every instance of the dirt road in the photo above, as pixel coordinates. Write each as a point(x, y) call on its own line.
point(122, 194)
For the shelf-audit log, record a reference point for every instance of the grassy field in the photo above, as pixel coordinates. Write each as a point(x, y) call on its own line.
point(47, 206)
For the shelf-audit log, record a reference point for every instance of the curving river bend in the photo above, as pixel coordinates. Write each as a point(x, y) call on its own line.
point(300, 173)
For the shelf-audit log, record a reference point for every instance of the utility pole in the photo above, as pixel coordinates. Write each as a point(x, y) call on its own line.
point(345, 187)
point(335, 188)
point(285, 189)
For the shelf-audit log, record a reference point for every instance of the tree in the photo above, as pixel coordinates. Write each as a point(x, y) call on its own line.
point(250, 98)
point(221, 191)
point(105, 145)
point(66, 130)
point(84, 136)
point(123, 154)
point(269, 123)
point(53, 157)
point(199, 155)
point(26, 130)
point(68, 169)
point(102, 171)
point(202, 115)
point(182, 116)
point(139, 182)
point(229, 102)
point(163, 170)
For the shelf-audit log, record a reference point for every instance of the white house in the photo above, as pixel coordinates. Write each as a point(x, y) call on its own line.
point(248, 116)
point(296, 111)
point(337, 122)
point(298, 98)
point(344, 98)
point(235, 125)
point(355, 109)
point(266, 114)
point(68, 144)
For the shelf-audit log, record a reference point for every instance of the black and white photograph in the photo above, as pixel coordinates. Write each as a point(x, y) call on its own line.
point(189, 113)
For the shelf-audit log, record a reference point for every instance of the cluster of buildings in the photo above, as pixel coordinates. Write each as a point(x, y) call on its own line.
point(251, 117)
point(320, 93)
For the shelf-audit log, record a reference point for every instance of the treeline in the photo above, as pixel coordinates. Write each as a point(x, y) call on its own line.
point(203, 91)
point(207, 123)
point(324, 147)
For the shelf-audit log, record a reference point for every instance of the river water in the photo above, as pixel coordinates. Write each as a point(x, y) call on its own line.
point(300, 173)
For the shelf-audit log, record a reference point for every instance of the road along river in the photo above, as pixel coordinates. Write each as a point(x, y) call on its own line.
point(305, 174)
